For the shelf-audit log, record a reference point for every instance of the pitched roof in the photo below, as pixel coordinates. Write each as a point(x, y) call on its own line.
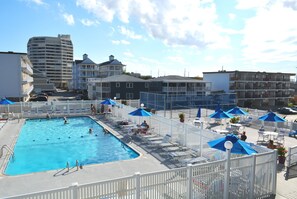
point(112, 62)
point(78, 61)
point(122, 78)
point(87, 61)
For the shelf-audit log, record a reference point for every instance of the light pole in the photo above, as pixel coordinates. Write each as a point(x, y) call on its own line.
point(115, 100)
point(228, 145)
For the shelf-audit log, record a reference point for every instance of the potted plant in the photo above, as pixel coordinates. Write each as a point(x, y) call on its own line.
point(181, 117)
point(281, 151)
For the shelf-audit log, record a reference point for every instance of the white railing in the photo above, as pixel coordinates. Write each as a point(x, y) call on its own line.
point(251, 177)
point(291, 163)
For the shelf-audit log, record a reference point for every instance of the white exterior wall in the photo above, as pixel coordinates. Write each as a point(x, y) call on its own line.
point(13, 82)
point(10, 76)
point(219, 81)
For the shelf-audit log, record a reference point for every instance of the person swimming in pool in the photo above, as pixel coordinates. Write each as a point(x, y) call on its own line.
point(90, 131)
point(65, 120)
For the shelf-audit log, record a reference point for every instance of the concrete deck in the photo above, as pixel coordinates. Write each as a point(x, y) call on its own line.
point(21, 184)
point(41, 181)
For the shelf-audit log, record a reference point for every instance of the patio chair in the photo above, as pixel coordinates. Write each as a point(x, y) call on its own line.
point(280, 139)
point(293, 134)
point(262, 137)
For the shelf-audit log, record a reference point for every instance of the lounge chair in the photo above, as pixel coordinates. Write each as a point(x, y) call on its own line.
point(175, 148)
point(195, 160)
point(159, 140)
point(179, 154)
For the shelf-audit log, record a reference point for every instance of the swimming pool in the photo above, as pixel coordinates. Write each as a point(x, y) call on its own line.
point(49, 144)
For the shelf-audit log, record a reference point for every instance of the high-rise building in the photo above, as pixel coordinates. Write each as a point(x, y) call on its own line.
point(53, 56)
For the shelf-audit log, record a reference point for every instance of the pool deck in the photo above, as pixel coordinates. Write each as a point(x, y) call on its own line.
point(41, 181)
point(15, 185)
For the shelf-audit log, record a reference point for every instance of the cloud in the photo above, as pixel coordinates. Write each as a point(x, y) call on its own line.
point(37, 2)
point(118, 42)
point(176, 59)
point(129, 33)
point(69, 19)
point(175, 22)
point(128, 54)
point(231, 16)
point(88, 22)
point(271, 36)
point(252, 4)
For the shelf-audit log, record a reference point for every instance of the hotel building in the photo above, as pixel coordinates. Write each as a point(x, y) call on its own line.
point(254, 89)
point(16, 81)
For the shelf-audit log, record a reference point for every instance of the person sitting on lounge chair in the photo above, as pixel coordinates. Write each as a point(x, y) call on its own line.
point(144, 127)
point(144, 124)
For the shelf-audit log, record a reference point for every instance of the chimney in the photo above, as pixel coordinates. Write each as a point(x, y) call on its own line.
point(111, 58)
point(85, 56)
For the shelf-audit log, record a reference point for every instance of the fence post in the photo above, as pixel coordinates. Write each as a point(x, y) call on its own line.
point(137, 180)
point(288, 163)
point(74, 187)
point(190, 181)
point(275, 173)
point(251, 195)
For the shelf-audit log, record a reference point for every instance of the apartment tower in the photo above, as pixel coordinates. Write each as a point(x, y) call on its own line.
point(53, 56)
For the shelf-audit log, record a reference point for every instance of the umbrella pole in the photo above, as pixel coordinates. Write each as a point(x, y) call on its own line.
point(228, 145)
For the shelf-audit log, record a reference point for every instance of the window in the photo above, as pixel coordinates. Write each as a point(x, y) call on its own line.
point(129, 95)
point(129, 85)
point(118, 95)
point(118, 85)
point(146, 85)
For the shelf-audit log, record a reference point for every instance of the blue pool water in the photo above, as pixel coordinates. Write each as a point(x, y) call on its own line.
point(49, 144)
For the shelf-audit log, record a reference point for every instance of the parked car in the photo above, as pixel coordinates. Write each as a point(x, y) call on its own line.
point(286, 110)
point(38, 98)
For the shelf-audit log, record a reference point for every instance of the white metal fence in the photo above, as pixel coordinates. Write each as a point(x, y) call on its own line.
point(291, 171)
point(251, 177)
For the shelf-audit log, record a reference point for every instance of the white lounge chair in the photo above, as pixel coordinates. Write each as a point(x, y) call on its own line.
point(197, 160)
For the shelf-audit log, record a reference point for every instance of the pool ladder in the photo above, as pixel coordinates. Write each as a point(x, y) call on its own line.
point(76, 164)
point(7, 148)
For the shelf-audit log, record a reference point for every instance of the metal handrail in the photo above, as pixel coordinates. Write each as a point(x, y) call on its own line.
point(7, 148)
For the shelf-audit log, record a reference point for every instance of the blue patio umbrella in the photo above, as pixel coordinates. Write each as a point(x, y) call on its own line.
point(140, 112)
point(239, 146)
point(237, 111)
point(271, 117)
point(199, 112)
point(6, 101)
point(108, 102)
point(220, 114)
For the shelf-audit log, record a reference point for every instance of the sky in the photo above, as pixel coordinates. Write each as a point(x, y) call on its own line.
point(163, 37)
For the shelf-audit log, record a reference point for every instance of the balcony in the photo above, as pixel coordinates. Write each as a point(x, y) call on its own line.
point(27, 80)
point(27, 92)
point(27, 69)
